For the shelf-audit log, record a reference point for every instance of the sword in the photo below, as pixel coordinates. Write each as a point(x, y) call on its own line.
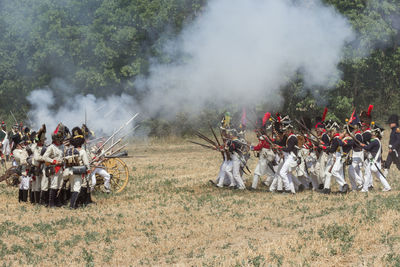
point(379, 170)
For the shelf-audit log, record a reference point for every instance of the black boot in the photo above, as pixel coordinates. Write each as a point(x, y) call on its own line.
point(345, 189)
point(74, 197)
point(32, 197)
point(59, 198)
point(80, 201)
point(326, 191)
point(37, 197)
point(25, 195)
point(52, 198)
point(301, 188)
point(20, 195)
point(89, 200)
point(68, 195)
point(44, 198)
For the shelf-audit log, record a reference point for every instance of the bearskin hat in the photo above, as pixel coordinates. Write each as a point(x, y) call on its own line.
point(41, 134)
point(59, 134)
point(16, 140)
point(32, 136)
point(365, 116)
point(77, 139)
point(393, 119)
point(86, 132)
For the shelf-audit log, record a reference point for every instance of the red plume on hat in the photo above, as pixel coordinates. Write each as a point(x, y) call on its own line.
point(266, 118)
point(370, 108)
point(324, 114)
point(57, 129)
point(365, 116)
point(278, 117)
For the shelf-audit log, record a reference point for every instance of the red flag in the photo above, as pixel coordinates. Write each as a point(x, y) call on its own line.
point(352, 116)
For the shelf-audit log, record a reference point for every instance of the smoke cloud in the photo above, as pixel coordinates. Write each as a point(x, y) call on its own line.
point(104, 115)
point(245, 51)
point(234, 52)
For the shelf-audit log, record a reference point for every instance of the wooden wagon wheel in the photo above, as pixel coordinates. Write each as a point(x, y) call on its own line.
point(119, 174)
point(8, 175)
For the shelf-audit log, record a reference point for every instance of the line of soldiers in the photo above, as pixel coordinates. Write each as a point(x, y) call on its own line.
point(57, 173)
point(310, 157)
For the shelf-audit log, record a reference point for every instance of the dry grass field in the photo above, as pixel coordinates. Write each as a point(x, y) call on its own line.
point(170, 215)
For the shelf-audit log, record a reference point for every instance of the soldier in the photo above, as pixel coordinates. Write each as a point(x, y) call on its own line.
point(374, 157)
point(99, 171)
point(225, 176)
point(394, 144)
point(53, 158)
point(77, 162)
point(323, 155)
point(290, 160)
point(37, 162)
point(334, 166)
point(20, 159)
point(4, 142)
point(235, 147)
point(366, 119)
point(357, 157)
point(265, 165)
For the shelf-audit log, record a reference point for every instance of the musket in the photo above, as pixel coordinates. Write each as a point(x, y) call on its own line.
point(115, 133)
point(205, 146)
point(307, 130)
point(205, 138)
point(12, 114)
point(108, 149)
point(116, 151)
point(94, 140)
point(219, 144)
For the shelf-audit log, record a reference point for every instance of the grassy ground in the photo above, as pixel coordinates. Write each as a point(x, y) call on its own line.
point(170, 215)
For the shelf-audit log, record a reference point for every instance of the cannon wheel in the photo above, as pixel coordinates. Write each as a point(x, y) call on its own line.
point(8, 175)
point(119, 174)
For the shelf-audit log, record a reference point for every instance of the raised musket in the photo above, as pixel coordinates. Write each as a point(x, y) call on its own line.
point(108, 149)
point(115, 133)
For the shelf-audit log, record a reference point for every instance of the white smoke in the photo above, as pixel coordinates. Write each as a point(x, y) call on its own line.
point(234, 52)
point(245, 51)
point(103, 115)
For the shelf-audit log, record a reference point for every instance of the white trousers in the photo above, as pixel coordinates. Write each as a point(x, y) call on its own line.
point(321, 167)
point(355, 169)
point(370, 170)
point(56, 180)
point(24, 184)
point(103, 173)
point(36, 183)
point(76, 183)
point(285, 172)
point(225, 176)
point(277, 181)
point(237, 177)
point(262, 168)
point(334, 167)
